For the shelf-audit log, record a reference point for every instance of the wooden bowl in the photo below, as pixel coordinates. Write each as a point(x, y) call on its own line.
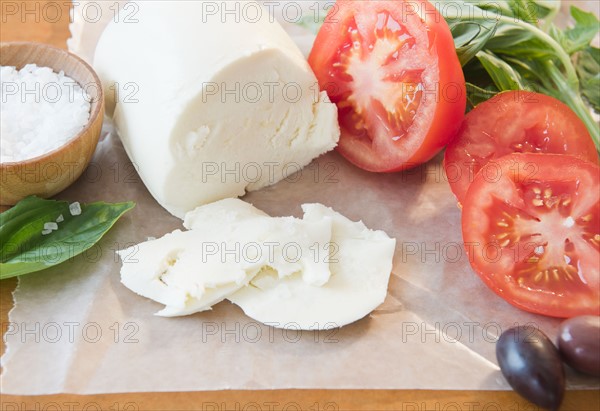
point(50, 173)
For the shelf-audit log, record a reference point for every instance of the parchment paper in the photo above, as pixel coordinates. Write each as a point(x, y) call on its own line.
point(76, 329)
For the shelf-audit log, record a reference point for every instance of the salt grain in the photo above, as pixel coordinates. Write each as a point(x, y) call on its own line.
point(46, 232)
point(40, 111)
point(60, 219)
point(50, 226)
point(75, 208)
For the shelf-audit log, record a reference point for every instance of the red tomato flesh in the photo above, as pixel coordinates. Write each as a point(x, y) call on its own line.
point(514, 122)
point(531, 227)
point(392, 70)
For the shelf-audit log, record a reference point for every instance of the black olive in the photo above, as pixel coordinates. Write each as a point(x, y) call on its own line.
point(579, 343)
point(532, 365)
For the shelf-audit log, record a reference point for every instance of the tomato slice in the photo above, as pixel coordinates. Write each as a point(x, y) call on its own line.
point(392, 70)
point(531, 228)
point(514, 121)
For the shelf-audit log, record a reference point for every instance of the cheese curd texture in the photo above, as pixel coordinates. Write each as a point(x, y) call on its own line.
point(318, 272)
point(210, 106)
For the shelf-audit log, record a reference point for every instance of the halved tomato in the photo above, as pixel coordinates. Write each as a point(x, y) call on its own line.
point(531, 228)
point(514, 122)
point(392, 70)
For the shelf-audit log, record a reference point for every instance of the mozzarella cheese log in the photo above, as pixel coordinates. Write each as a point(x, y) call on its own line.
point(230, 243)
point(209, 108)
point(89, 18)
point(360, 261)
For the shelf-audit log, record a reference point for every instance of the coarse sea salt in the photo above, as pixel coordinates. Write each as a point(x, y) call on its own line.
point(75, 208)
point(50, 226)
point(40, 111)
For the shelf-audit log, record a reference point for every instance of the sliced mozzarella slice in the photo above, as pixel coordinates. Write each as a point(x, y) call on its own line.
point(360, 262)
point(230, 243)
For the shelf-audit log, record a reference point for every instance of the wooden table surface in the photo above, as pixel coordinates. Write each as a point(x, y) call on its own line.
point(33, 27)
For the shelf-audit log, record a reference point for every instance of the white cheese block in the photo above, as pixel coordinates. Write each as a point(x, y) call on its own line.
point(360, 261)
point(230, 242)
point(211, 106)
point(89, 18)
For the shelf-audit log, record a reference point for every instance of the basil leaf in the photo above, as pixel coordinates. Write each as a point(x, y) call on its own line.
point(470, 38)
point(525, 52)
point(503, 75)
point(579, 36)
point(526, 10)
point(530, 11)
point(477, 95)
point(588, 69)
point(23, 247)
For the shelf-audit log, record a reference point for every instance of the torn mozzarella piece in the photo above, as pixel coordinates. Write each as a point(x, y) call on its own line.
point(221, 215)
point(172, 271)
point(360, 261)
point(322, 271)
point(210, 108)
point(230, 243)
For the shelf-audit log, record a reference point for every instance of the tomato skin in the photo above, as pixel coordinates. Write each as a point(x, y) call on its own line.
point(514, 121)
point(515, 275)
point(449, 92)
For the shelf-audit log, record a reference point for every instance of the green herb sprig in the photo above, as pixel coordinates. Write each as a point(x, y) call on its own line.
point(513, 45)
point(23, 247)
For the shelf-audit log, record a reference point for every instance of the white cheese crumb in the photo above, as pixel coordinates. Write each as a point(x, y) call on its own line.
point(46, 232)
point(50, 226)
point(60, 219)
point(75, 208)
